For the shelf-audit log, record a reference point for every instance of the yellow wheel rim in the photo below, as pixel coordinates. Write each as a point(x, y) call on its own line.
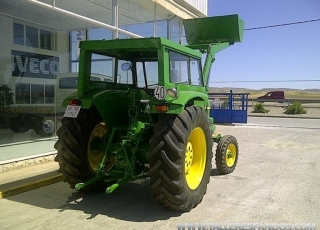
point(95, 148)
point(195, 158)
point(231, 154)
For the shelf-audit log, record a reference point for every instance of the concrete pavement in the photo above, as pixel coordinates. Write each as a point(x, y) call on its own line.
point(276, 181)
point(17, 181)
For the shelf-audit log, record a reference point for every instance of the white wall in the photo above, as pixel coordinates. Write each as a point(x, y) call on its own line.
point(201, 5)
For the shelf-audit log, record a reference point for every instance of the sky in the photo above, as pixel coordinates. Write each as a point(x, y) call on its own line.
point(282, 57)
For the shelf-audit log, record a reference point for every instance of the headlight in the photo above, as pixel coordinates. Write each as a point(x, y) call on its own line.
point(172, 92)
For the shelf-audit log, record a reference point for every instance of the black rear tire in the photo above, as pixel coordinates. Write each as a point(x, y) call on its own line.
point(72, 148)
point(169, 167)
point(18, 125)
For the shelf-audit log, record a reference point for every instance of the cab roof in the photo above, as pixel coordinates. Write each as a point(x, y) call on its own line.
point(146, 48)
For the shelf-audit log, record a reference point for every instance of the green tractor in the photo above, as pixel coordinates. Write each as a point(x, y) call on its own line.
point(141, 110)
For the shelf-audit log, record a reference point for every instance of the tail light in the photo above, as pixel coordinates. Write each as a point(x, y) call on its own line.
point(162, 108)
point(74, 102)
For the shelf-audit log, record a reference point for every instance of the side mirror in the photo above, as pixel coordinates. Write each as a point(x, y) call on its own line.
point(126, 66)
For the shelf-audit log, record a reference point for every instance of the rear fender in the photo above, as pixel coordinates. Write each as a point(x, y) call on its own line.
point(177, 105)
point(113, 107)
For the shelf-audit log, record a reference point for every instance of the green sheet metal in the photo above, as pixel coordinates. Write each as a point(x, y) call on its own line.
point(217, 29)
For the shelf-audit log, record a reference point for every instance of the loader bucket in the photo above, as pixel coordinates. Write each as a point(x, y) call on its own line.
point(217, 29)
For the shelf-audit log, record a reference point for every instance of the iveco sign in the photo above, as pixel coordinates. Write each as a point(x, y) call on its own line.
point(25, 64)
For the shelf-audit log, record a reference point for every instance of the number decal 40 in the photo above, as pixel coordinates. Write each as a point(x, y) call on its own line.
point(160, 92)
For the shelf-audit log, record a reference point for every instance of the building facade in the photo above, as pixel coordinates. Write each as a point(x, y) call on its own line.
point(39, 58)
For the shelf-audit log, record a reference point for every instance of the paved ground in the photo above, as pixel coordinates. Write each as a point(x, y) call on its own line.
point(25, 175)
point(277, 180)
point(283, 122)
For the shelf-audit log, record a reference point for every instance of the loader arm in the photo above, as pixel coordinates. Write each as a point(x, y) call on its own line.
point(211, 35)
point(210, 50)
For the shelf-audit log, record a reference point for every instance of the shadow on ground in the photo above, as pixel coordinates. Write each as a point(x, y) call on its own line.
point(215, 172)
point(131, 202)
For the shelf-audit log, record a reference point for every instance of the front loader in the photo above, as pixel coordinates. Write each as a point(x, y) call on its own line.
point(141, 111)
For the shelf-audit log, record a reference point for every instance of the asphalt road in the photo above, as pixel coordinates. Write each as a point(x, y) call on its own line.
point(277, 180)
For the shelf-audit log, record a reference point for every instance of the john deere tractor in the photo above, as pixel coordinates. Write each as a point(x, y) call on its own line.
point(141, 111)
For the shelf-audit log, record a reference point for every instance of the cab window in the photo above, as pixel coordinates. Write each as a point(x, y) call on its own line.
point(185, 69)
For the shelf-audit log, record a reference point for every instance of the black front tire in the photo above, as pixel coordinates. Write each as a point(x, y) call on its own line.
point(42, 128)
point(227, 154)
point(169, 167)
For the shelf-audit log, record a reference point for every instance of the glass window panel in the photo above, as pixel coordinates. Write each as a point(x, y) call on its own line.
point(73, 44)
point(142, 29)
point(18, 34)
point(174, 30)
point(195, 72)
point(140, 74)
point(75, 67)
point(37, 94)
point(178, 68)
point(99, 34)
point(101, 68)
point(75, 52)
point(183, 38)
point(75, 38)
point(22, 93)
point(151, 72)
point(162, 29)
point(46, 1)
point(100, 10)
point(123, 36)
point(45, 40)
point(168, 24)
point(32, 37)
point(135, 12)
point(124, 76)
point(100, 57)
point(49, 94)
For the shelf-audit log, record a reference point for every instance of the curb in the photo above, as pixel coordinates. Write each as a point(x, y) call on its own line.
point(23, 162)
point(30, 186)
point(278, 116)
point(225, 124)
